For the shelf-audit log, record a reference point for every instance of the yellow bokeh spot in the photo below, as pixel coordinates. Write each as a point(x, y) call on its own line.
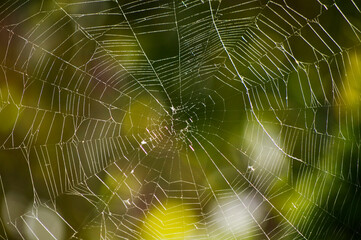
point(173, 220)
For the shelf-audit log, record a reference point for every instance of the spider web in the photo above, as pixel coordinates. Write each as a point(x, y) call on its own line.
point(180, 119)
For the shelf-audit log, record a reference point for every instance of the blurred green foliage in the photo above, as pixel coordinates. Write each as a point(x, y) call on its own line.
point(156, 120)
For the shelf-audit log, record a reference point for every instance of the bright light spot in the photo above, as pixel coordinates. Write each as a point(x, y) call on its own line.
point(174, 110)
point(251, 168)
point(265, 153)
point(237, 215)
point(15, 206)
point(127, 201)
point(44, 223)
